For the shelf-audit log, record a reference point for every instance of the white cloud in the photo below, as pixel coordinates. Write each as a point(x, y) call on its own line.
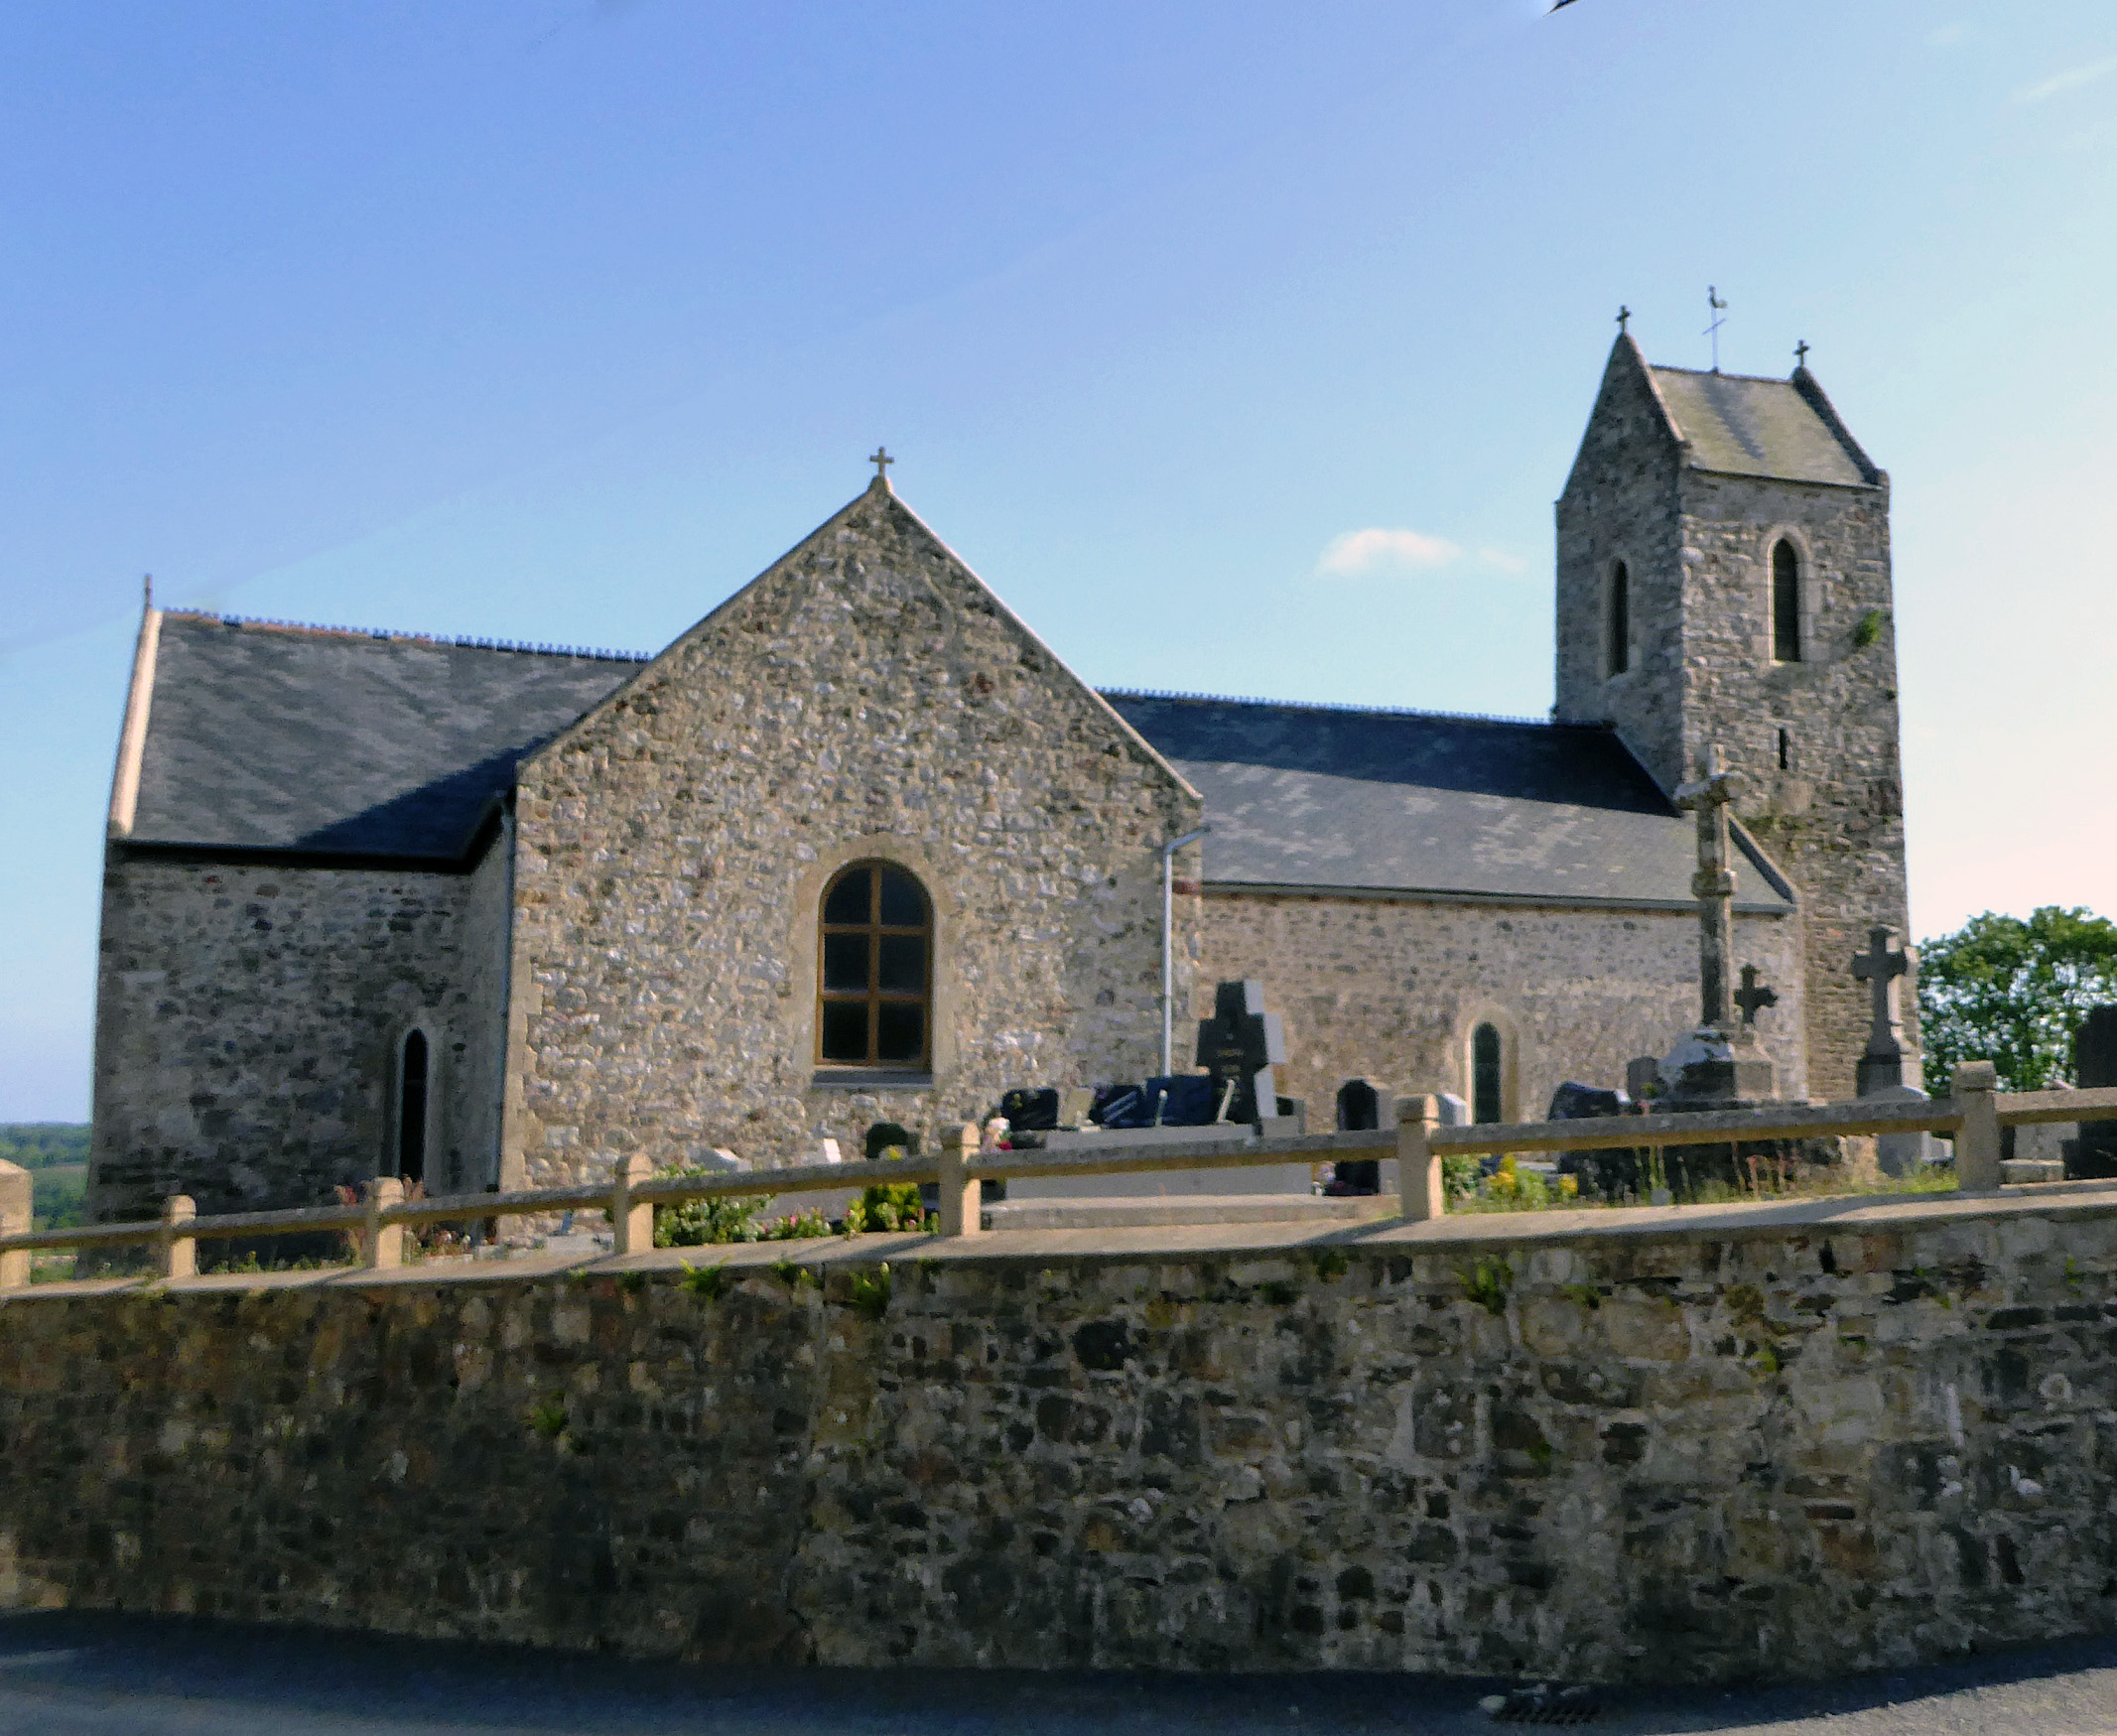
point(1501, 560)
point(1360, 552)
point(2068, 81)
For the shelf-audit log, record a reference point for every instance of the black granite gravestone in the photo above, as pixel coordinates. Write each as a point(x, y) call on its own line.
point(2093, 1155)
point(1240, 1046)
point(1360, 1107)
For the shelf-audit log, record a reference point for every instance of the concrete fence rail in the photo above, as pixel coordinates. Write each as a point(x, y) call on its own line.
point(1973, 1114)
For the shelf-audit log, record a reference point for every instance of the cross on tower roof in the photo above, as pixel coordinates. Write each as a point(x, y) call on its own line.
point(1800, 354)
point(882, 460)
point(1623, 314)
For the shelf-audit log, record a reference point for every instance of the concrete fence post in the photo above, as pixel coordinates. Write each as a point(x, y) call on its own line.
point(1418, 1166)
point(16, 1218)
point(1977, 1140)
point(384, 1246)
point(178, 1247)
point(632, 1226)
point(962, 1195)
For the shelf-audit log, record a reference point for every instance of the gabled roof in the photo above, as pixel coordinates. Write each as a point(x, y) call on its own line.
point(1324, 798)
point(876, 525)
point(265, 736)
point(1746, 426)
point(320, 740)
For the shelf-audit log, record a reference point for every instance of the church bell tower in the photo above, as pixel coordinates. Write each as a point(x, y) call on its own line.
point(1724, 581)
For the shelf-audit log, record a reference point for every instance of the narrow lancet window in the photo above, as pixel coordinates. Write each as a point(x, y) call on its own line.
point(1620, 620)
point(1786, 752)
point(412, 1109)
point(1785, 605)
point(1485, 1074)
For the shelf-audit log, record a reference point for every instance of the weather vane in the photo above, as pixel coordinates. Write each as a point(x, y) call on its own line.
point(1718, 306)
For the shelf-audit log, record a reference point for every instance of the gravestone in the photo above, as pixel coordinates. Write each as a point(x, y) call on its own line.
point(1883, 966)
point(1240, 1046)
point(2093, 1154)
point(1887, 1072)
point(881, 1136)
point(1360, 1106)
point(1643, 1077)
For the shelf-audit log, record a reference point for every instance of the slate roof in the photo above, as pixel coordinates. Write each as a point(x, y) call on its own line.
point(1328, 797)
point(263, 735)
point(267, 736)
point(1751, 427)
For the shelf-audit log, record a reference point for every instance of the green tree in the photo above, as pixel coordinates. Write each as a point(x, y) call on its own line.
point(2011, 992)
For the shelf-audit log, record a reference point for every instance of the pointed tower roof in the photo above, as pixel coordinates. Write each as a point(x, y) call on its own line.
point(1745, 425)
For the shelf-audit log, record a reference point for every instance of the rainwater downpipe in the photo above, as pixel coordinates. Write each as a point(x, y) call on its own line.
point(1168, 945)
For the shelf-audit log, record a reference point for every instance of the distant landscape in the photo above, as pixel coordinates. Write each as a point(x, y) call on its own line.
point(57, 1155)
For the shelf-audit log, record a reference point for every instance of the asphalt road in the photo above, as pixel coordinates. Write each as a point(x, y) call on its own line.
point(69, 1675)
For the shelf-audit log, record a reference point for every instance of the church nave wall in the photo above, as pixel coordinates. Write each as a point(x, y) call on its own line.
point(1390, 990)
point(867, 697)
point(248, 1020)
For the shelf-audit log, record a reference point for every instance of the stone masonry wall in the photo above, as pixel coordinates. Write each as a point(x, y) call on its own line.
point(1777, 1451)
point(867, 697)
point(1834, 819)
point(1390, 990)
point(1698, 547)
point(1620, 504)
point(470, 1157)
point(246, 1021)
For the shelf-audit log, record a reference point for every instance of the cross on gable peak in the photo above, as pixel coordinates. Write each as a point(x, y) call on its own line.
point(882, 460)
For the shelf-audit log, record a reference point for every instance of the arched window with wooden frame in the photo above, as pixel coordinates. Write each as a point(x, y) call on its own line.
point(874, 970)
point(1785, 603)
point(1620, 620)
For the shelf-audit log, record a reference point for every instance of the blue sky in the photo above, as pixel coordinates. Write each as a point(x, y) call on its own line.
point(1242, 349)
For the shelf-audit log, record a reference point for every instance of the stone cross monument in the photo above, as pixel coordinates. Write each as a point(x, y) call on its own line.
point(1719, 1064)
point(1753, 998)
point(1713, 886)
point(1881, 967)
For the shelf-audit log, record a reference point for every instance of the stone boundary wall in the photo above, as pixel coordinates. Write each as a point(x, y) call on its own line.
point(1714, 1444)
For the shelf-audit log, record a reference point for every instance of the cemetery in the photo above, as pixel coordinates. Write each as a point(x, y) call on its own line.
point(837, 1142)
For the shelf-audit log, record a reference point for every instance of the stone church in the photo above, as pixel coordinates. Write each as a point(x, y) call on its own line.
point(858, 847)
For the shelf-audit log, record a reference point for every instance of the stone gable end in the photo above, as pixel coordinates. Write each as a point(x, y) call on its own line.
point(867, 696)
